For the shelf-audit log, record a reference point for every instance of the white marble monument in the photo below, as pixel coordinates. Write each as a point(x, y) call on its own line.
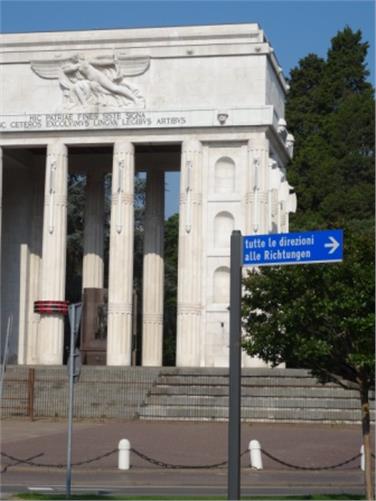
point(207, 101)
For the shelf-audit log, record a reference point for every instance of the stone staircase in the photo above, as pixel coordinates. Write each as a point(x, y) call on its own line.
point(284, 395)
point(269, 395)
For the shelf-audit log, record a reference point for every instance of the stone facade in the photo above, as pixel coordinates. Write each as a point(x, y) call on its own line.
point(207, 101)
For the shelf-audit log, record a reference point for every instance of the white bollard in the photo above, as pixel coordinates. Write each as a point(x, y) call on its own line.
point(255, 455)
point(124, 454)
point(362, 459)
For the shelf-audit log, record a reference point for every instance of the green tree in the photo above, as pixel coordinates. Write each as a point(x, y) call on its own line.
point(321, 317)
point(330, 110)
point(75, 232)
point(138, 259)
point(171, 231)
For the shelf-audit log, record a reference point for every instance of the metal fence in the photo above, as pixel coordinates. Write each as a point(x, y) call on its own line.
point(101, 392)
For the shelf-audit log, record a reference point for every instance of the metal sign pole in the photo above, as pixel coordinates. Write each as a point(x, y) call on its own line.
point(235, 369)
point(5, 355)
point(70, 408)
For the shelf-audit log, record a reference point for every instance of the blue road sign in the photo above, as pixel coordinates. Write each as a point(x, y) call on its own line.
point(293, 248)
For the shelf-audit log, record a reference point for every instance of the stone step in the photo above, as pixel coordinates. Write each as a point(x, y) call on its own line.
point(223, 371)
point(255, 402)
point(210, 380)
point(267, 414)
point(267, 391)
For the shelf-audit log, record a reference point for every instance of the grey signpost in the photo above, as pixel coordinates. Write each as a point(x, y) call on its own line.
point(235, 352)
point(273, 249)
point(74, 365)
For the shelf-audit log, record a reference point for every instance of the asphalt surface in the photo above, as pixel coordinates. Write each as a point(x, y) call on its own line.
point(183, 443)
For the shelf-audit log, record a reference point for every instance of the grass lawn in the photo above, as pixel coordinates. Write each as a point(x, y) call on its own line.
point(317, 497)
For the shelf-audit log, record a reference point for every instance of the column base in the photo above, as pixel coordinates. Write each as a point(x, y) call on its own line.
point(119, 337)
point(188, 340)
point(152, 341)
point(51, 340)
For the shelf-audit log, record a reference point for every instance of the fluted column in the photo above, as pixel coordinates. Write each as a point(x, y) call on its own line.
point(52, 287)
point(283, 197)
point(35, 259)
point(257, 199)
point(274, 211)
point(275, 176)
point(92, 270)
point(119, 331)
point(152, 330)
point(257, 196)
point(190, 256)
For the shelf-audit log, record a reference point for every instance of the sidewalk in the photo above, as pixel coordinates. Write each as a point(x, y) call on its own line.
point(182, 443)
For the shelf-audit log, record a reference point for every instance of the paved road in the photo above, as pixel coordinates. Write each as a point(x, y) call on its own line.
point(182, 443)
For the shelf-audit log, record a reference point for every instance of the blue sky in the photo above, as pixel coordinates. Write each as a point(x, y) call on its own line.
point(294, 28)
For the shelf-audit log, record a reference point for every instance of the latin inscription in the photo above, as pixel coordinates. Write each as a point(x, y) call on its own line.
point(107, 120)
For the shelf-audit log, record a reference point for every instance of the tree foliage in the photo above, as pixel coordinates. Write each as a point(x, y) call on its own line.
point(75, 232)
point(170, 288)
point(318, 317)
point(330, 110)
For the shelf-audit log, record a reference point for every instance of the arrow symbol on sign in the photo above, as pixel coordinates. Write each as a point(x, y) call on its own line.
point(333, 245)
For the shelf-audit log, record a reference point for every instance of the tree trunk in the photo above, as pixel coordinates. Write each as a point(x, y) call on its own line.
point(366, 441)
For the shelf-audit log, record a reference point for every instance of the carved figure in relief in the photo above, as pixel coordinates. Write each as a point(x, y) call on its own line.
point(95, 81)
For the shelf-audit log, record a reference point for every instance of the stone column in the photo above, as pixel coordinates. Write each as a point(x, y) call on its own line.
point(92, 270)
point(35, 263)
point(275, 176)
point(190, 256)
point(119, 331)
point(22, 304)
point(257, 197)
point(152, 331)
point(283, 197)
point(52, 287)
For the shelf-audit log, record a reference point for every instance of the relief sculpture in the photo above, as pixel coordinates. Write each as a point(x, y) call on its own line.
point(98, 81)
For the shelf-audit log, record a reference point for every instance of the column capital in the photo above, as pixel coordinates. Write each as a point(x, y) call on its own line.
point(192, 144)
point(57, 148)
point(123, 147)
